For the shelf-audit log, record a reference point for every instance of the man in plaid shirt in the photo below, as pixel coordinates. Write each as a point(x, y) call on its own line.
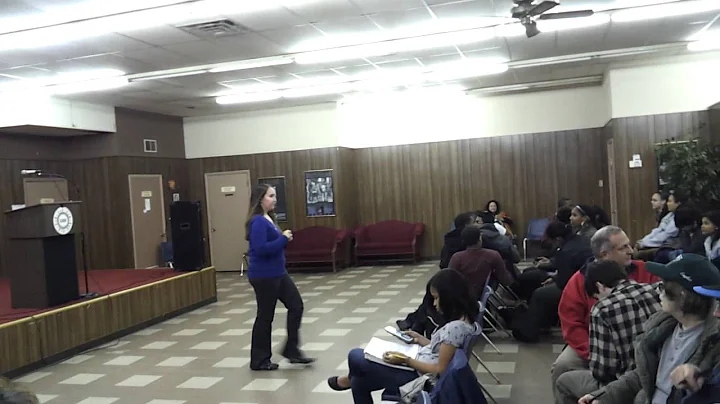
point(615, 320)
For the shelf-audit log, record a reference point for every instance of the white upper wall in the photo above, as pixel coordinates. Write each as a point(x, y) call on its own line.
point(56, 113)
point(299, 128)
point(678, 86)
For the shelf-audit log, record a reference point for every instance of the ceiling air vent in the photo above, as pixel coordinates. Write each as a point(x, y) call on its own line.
point(214, 29)
point(150, 145)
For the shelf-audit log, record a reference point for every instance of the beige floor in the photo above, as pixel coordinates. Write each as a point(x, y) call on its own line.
point(202, 357)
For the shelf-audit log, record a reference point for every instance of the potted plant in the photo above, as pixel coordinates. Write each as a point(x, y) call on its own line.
point(691, 168)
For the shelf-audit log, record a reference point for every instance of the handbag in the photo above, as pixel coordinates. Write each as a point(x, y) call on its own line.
point(410, 392)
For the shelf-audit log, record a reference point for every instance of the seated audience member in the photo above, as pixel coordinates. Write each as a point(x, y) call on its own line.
point(681, 338)
point(711, 232)
point(549, 245)
point(688, 221)
point(501, 217)
point(582, 219)
point(542, 309)
point(622, 308)
point(492, 239)
point(568, 242)
point(608, 244)
point(453, 239)
point(12, 394)
point(479, 264)
point(453, 299)
point(664, 233)
point(487, 218)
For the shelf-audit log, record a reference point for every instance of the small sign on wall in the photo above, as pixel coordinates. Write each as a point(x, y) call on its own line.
point(227, 190)
point(176, 197)
point(636, 162)
point(47, 200)
point(146, 194)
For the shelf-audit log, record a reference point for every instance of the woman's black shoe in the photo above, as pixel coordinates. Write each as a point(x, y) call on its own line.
point(333, 383)
point(265, 366)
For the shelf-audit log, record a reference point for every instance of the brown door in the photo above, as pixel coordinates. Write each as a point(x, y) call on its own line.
point(147, 210)
point(228, 197)
point(612, 183)
point(45, 190)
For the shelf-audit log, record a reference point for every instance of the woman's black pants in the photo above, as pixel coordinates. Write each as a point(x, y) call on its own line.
point(267, 292)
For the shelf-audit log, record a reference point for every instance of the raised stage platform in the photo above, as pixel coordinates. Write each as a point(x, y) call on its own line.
point(129, 300)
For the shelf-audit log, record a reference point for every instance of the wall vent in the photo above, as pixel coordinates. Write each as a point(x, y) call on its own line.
point(150, 145)
point(214, 29)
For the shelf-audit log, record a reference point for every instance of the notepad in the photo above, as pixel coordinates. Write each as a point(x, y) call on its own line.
point(377, 347)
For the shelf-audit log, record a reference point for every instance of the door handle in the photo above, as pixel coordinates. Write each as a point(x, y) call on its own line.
point(212, 230)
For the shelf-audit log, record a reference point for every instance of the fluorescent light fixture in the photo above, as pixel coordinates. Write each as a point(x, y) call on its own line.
point(88, 86)
point(704, 45)
point(170, 75)
point(253, 64)
point(675, 9)
point(465, 70)
point(318, 90)
point(248, 98)
point(395, 46)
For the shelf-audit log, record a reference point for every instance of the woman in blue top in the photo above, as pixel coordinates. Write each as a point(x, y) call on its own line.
point(269, 278)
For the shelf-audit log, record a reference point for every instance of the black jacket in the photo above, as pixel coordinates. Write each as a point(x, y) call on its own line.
point(691, 241)
point(453, 244)
point(570, 257)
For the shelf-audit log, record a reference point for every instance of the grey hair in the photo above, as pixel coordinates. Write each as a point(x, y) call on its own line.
point(600, 242)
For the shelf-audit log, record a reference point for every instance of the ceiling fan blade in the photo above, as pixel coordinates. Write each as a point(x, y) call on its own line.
point(542, 7)
point(567, 14)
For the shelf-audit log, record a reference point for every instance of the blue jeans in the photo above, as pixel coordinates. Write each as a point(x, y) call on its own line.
point(367, 376)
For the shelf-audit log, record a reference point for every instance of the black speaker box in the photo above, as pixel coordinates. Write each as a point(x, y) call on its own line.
point(187, 236)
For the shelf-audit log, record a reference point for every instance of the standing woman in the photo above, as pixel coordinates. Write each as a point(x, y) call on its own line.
point(269, 278)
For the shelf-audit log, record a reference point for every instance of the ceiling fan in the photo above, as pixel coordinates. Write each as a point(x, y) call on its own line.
point(529, 12)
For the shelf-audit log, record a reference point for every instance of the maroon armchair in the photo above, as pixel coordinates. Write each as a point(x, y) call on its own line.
point(318, 247)
point(391, 240)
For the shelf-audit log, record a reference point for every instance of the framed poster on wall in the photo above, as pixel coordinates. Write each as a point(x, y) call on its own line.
point(281, 207)
point(319, 193)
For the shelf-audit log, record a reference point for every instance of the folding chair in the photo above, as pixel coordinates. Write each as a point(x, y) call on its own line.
point(536, 229)
point(245, 263)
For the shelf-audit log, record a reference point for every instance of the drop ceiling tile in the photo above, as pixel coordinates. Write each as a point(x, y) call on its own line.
point(15, 58)
point(541, 46)
point(116, 61)
point(469, 9)
point(295, 39)
point(267, 19)
point(376, 6)
point(27, 72)
point(358, 70)
point(159, 57)
point(113, 42)
point(322, 10)
point(353, 27)
point(201, 52)
point(401, 20)
point(247, 46)
point(160, 35)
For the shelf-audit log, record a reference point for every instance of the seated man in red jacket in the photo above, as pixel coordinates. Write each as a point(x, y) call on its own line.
point(609, 243)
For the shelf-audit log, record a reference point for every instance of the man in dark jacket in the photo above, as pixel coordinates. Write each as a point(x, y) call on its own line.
point(453, 239)
point(493, 240)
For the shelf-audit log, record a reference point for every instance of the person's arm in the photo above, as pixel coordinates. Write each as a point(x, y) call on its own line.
point(500, 271)
point(659, 235)
point(447, 351)
point(622, 390)
point(454, 262)
point(573, 319)
point(444, 259)
point(603, 352)
point(259, 238)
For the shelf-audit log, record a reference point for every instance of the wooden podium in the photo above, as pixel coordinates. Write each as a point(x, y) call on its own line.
point(42, 256)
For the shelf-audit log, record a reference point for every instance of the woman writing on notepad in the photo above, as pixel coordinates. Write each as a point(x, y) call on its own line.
point(452, 298)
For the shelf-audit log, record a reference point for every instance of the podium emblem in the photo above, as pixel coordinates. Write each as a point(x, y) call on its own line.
point(62, 220)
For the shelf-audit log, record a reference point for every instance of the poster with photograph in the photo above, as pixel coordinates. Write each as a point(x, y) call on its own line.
point(319, 193)
point(281, 207)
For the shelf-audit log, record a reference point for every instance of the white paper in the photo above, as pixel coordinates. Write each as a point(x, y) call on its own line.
point(176, 197)
point(377, 348)
point(147, 205)
point(16, 207)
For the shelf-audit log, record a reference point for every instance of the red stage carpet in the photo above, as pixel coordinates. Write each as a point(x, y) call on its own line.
point(102, 282)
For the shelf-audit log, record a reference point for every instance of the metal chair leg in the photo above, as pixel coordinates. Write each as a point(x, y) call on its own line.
point(487, 394)
point(486, 368)
point(487, 320)
point(491, 344)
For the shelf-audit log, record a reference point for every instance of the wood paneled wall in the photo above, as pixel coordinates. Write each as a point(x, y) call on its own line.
point(292, 166)
point(635, 186)
point(103, 188)
point(433, 182)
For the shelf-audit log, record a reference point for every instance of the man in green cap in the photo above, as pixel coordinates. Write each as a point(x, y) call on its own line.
point(684, 335)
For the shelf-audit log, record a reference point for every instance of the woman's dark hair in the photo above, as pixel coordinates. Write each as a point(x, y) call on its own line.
point(256, 209)
point(559, 229)
point(464, 219)
point(471, 235)
point(456, 300)
point(607, 272)
point(686, 216)
point(679, 197)
point(487, 206)
point(564, 202)
point(690, 302)
point(600, 217)
point(714, 217)
point(563, 214)
point(663, 197)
